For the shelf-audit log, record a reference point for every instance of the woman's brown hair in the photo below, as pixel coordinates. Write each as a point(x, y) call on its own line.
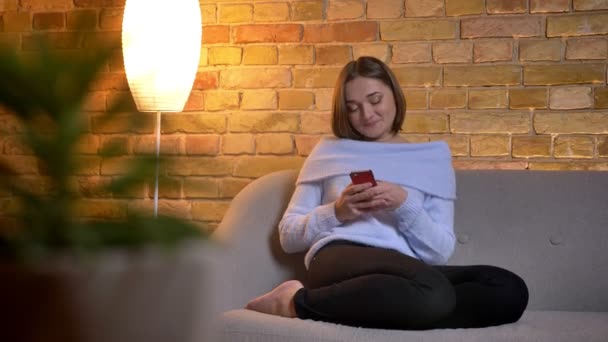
point(370, 67)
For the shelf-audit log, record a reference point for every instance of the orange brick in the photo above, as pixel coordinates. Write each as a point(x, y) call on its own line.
point(571, 123)
point(384, 9)
point(416, 99)
point(425, 123)
point(111, 81)
point(324, 99)
point(225, 55)
point(528, 98)
point(208, 14)
point(276, 143)
point(124, 123)
point(540, 50)
point(564, 74)
point(544, 6)
point(531, 146)
point(602, 146)
point(195, 102)
point(111, 19)
point(378, 50)
point(315, 78)
point(93, 3)
point(482, 75)
point(260, 55)
point(221, 100)
point(230, 187)
point(429, 8)
point(411, 53)
point(11, 41)
point(314, 123)
point(577, 25)
point(209, 211)
point(464, 7)
point(239, 13)
point(49, 21)
point(169, 145)
point(17, 22)
point(258, 166)
point(206, 80)
point(200, 166)
point(459, 145)
point(573, 147)
point(448, 98)
point(236, 78)
point(589, 5)
point(202, 144)
point(201, 187)
point(333, 54)
point(490, 145)
point(601, 98)
point(486, 99)
point(101, 208)
point(262, 33)
point(570, 98)
point(296, 54)
point(271, 12)
point(44, 5)
point(506, 6)
point(293, 99)
point(306, 143)
point(501, 27)
point(213, 34)
point(587, 49)
point(307, 10)
point(193, 123)
point(418, 29)
point(9, 5)
point(262, 122)
point(81, 19)
point(489, 165)
point(259, 99)
point(452, 52)
point(345, 9)
point(418, 76)
point(356, 31)
point(238, 144)
point(492, 51)
point(489, 122)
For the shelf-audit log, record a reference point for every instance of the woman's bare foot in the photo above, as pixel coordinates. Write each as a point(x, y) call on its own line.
point(279, 301)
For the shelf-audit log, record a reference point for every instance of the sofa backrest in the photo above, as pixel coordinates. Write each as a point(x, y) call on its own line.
point(551, 227)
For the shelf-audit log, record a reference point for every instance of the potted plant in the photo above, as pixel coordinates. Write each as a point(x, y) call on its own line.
point(64, 278)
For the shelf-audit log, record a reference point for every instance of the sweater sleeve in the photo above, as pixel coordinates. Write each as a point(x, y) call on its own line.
point(305, 218)
point(427, 223)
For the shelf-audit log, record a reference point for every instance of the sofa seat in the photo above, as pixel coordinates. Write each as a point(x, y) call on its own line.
point(538, 326)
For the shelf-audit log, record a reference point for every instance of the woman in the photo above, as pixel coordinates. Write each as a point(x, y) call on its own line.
point(376, 254)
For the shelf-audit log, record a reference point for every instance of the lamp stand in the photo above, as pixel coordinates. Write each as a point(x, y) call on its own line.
point(157, 163)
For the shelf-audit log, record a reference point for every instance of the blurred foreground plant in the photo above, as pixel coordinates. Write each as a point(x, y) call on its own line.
point(47, 92)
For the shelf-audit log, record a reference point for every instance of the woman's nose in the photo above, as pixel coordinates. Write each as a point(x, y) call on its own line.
point(366, 111)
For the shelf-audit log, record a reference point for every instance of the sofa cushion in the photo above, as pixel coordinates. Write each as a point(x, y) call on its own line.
point(551, 326)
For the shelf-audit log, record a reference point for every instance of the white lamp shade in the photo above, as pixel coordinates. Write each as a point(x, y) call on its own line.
point(161, 43)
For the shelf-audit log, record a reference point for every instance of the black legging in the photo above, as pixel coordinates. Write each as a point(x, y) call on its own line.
point(364, 286)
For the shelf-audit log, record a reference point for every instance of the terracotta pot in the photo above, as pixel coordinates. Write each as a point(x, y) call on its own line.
point(148, 295)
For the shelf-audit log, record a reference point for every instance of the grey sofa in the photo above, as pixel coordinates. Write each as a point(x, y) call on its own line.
point(551, 227)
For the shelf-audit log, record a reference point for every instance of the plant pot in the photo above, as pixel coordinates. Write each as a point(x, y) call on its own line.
point(120, 295)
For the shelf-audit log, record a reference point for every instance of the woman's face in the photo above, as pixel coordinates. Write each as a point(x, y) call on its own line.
point(371, 108)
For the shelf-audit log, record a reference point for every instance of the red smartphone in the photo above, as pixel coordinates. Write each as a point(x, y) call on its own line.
point(364, 176)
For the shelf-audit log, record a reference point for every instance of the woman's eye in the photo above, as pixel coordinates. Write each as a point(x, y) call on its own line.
point(352, 108)
point(375, 99)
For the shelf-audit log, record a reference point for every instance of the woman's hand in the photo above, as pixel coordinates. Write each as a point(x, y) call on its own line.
point(387, 196)
point(353, 201)
point(362, 198)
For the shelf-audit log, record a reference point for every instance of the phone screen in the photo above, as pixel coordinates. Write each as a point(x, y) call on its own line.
point(364, 176)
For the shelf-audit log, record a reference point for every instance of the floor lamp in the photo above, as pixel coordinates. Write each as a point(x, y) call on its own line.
point(161, 43)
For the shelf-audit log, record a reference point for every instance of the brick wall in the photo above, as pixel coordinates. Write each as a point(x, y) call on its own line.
point(510, 84)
